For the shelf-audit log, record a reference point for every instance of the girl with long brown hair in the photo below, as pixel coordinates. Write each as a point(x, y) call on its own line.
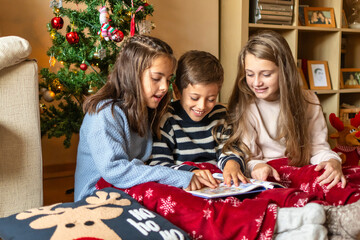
point(273, 117)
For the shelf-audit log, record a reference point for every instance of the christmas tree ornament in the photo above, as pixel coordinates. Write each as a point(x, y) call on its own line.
point(57, 23)
point(48, 96)
point(52, 60)
point(83, 66)
point(42, 108)
point(72, 37)
point(107, 31)
point(90, 90)
point(144, 27)
point(96, 54)
point(132, 22)
point(53, 35)
point(102, 53)
point(55, 4)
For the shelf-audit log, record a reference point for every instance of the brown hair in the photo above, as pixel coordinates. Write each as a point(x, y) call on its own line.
point(292, 122)
point(198, 67)
point(124, 83)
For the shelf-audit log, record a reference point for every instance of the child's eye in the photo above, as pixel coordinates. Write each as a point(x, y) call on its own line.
point(194, 99)
point(249, 75)
point(156, 79)
point(211, 100)
point(267, 74)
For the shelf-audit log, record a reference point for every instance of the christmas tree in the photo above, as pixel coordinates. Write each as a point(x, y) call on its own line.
point(86, 50)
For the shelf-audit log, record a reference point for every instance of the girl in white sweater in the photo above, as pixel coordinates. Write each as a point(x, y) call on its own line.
point(272, 118)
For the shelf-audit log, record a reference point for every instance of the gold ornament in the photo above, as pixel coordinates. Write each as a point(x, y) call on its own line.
point(49, 96)
point(42, 108)
point(53, 34)
point(96, 54)
point(52, 61)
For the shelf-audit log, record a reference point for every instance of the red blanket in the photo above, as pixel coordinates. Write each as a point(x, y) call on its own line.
point(303, 187)
point(247, 217)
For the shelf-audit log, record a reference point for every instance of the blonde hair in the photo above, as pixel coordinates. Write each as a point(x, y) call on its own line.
point(124, 83)
point(292, 122)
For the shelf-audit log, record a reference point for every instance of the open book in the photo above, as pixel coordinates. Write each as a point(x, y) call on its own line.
point(244, 188)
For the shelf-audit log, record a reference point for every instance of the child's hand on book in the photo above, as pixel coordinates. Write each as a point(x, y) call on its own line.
point(207, 175)
point(198, 182)
point(232, 174)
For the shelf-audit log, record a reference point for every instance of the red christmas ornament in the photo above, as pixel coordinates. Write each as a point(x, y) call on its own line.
point(57, 23)
point(72, 37)
point(83, 66)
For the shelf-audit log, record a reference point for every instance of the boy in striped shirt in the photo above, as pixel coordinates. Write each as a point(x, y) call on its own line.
point(187, 128)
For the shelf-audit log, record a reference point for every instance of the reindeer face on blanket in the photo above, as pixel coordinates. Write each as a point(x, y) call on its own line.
point(347, 139)
point(77, 223)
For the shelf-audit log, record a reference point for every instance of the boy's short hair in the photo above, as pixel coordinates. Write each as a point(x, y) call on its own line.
point(198, 67)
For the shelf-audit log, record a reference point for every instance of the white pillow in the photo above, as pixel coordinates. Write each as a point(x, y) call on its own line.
point(13, 50)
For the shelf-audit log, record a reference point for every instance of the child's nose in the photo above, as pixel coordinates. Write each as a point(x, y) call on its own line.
point(257, 81)
point(201, 104)
point(164, 85)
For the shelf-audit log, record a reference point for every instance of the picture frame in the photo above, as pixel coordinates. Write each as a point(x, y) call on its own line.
point(319, 17)
point(350, 78)
point(319, 76)
point(303, 80)
point(344, 23)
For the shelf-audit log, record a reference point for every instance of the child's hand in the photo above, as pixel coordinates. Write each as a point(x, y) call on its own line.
point(206, 174)
point(198, 182)
point(261, 172)
point(332, 174)
point(233, 172)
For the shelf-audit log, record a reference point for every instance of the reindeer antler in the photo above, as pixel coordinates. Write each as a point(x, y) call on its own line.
point(355, 122)
point(336, 122)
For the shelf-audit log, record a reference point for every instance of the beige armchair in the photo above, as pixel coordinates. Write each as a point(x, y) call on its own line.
point(20, 140)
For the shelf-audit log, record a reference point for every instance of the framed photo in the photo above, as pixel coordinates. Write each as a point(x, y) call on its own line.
point(319, 17)
point(303, 80)
point(350, 78)
point(344, 23)
point(319, 77)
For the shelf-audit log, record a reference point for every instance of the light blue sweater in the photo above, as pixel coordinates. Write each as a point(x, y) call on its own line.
point(109, 149)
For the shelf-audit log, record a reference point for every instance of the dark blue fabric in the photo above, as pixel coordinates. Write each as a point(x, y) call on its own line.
point(134, 222)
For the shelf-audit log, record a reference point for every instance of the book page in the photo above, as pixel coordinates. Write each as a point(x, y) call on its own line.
point(223, 190)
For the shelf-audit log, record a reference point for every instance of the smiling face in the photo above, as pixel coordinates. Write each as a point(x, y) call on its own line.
point(262, 77)
point(199, 99)
point(155, 80)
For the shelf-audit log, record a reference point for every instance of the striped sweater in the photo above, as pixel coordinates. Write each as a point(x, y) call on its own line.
point(184, 140)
